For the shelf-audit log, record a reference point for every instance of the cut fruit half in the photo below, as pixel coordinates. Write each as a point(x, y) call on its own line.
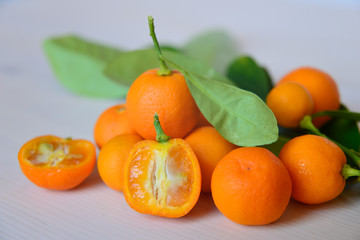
point(57, 163)
point(163, 178)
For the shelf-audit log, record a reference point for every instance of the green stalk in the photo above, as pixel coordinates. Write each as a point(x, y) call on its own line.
point(339, 113)
point(348, 171)
point(160, 135)
point(164, 69)
point(306, 123)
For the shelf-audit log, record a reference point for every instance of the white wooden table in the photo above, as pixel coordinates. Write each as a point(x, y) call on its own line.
point(280, 34)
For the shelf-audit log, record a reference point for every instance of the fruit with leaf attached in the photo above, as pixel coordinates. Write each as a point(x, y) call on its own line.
point(165, 92)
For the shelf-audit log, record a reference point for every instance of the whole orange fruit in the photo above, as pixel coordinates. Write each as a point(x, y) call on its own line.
point(111, 122)
point(169, 96)
point(289, 102)
point(57, 163)
point(112, 159)
point(209, 147)
point(315, 165)
point(321, 86)
point(251, 186)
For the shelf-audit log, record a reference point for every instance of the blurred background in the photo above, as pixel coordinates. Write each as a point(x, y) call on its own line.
point(280, 34)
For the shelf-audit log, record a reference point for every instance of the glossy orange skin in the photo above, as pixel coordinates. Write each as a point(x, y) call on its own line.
point(209, 147)
point(112, 157)
point(169, 97)
point(321, 86)
point(141, 177)
point(251, 186)
point(315, 165)
point(111, 122)
point(58, 177)
point(290, 102)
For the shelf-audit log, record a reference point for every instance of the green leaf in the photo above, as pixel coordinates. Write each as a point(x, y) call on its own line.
point(196, 67)
point(289, 132)
point(343, 130)
point(268, 78)
point(170, 48)
point(215, 49)
point(276, 147)
point(126, 67)
point(240, 116)
point(248, 75)
point(78, 64)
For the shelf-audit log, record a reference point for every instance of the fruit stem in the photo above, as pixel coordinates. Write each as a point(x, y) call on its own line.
point(348, 171)
point(306, 123)
point(339, 113)
point(160, 135)
point(164, 69)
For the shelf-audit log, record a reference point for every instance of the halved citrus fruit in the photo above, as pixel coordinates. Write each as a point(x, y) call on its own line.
point(162, 177)
point(56, 163)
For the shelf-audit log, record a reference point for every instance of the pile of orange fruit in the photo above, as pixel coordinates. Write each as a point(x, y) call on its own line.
point(304, 91)
point(160, 151)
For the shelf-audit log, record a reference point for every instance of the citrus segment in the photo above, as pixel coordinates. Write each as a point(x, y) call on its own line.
point(162, 178)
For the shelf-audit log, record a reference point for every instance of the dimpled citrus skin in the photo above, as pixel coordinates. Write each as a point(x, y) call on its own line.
point(251, 186)
point(111, 122)
point(209, 147)
point(112, 157)
point(315, 165)
point(289, 102)
point(169, 97)
point(321, 86)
